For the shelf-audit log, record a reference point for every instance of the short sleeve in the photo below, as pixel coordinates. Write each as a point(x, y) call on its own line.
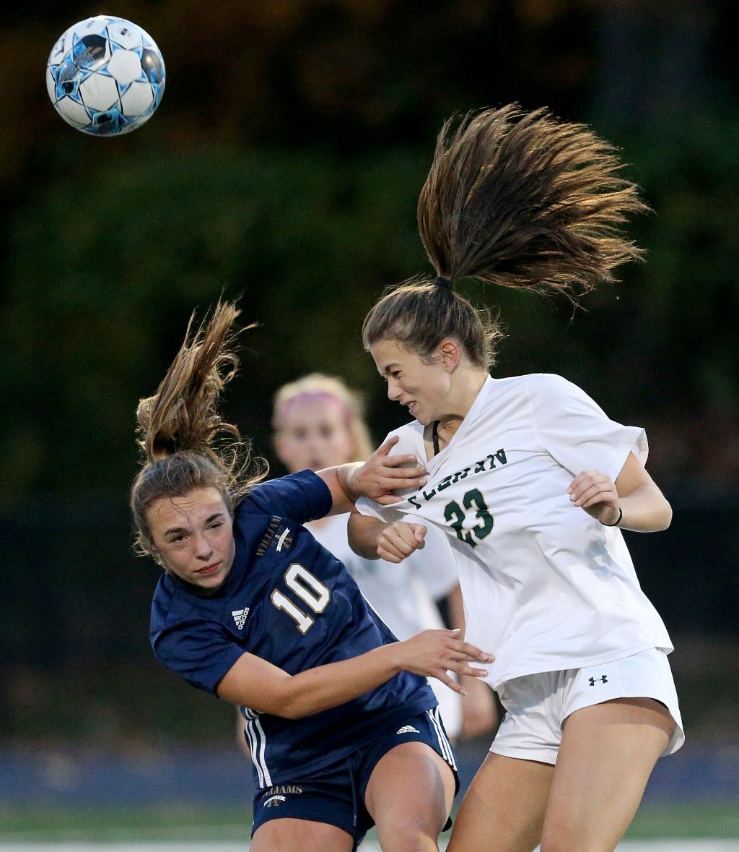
point(576, 432)
point(197, 651)
point(302, 496)
point(366, 506)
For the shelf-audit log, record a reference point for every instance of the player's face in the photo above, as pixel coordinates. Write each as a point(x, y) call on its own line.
point(314, 434)
point(193, 536)
point(417, 383)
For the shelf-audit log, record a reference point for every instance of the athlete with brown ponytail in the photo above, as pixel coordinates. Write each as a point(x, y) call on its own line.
point(343, 727)
point(532, 483)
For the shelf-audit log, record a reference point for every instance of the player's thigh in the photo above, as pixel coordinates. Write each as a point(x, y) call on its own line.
point(504, 806)
point(287, 835)
point(411, 789)
point(607, 754)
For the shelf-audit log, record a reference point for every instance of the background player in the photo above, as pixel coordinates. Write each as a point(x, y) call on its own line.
point(343, 726)
point(318, 422)
point(531, 481)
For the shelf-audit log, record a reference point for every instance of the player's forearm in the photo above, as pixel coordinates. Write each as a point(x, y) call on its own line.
point(338, 481)
point(364, 533)
point(329, 686)
point(645, 509)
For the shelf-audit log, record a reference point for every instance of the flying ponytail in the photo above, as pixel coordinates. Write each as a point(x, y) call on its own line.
point(184, 441)
point(518, 200)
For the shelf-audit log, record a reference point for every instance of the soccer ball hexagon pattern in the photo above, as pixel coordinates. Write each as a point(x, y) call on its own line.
point(105, 76)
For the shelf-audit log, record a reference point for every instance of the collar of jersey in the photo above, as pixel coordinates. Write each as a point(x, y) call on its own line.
point(438, 460)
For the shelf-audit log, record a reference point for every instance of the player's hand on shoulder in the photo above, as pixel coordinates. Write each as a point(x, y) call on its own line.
point(435, 653)
point(382, 474)
point(596, 494)
point(399, 540)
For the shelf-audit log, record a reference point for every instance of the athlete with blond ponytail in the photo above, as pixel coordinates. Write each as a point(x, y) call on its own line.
point(343, 727)
point(532, 483)
point(319, 421)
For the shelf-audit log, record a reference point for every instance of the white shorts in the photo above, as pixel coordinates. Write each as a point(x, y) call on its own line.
point(537, 705)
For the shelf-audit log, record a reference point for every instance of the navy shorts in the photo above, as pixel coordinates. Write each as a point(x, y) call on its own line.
point(335, 794)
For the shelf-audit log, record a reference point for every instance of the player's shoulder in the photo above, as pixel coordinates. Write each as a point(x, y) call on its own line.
point(301, 496)
point(260, 495)
point(410, 438)
point(537, 385)
point(167, 603)
point(173, 603)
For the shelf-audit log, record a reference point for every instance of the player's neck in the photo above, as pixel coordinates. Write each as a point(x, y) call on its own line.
point(466, 390)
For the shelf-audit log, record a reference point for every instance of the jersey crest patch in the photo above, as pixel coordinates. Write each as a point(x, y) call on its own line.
point(240, 616)
point(274, 525)
point(285, 540)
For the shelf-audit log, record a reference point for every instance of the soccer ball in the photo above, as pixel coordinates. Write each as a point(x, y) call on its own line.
point(105, 76)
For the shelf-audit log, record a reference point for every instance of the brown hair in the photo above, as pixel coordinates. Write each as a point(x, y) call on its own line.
point(318, 384)
point(515, 199)
point(185, 442)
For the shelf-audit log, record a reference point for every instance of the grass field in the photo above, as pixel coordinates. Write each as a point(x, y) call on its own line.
point(627, 846)
point(683, 828)
point(370, 845)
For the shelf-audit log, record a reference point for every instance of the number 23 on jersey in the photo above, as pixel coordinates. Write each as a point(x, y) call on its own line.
point(456, 515)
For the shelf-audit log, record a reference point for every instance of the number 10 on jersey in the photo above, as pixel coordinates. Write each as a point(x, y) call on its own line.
point(309, 589)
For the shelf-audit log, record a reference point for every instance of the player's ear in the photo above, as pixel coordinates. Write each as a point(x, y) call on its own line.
point(156, 556)
point(449, 353)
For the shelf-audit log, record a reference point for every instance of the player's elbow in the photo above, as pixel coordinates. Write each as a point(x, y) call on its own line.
point(660, 514)
point(665, 517)
point(293, 714)
point(294, 707)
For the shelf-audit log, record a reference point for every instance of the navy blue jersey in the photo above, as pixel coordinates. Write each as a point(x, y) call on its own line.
point(289, 601)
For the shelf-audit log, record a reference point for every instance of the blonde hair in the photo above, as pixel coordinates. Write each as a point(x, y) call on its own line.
point(316, 385)
point(184, 441)
point(516, 199)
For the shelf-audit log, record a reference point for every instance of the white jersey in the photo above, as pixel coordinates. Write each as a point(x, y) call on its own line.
point(403, 595)
point(546, 587)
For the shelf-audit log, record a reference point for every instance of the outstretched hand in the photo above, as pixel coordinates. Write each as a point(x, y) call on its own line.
point(434, 653)
point(382, 474)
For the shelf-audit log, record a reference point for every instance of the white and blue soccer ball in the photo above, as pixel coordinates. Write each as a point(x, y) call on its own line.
point(105, 76)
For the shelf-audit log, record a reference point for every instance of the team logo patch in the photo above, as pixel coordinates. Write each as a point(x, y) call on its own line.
point(274, 801)
point(240, 616)
point(285, 540)
point(408, 729)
